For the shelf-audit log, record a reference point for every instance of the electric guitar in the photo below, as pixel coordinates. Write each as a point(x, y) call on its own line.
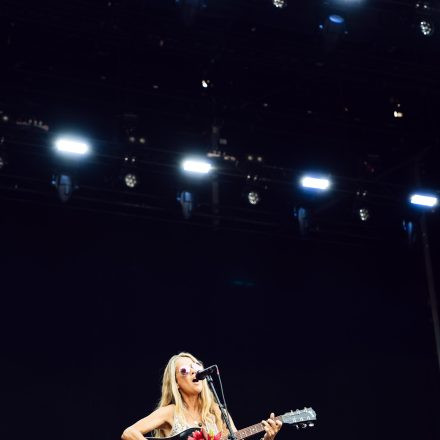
point(302, 418)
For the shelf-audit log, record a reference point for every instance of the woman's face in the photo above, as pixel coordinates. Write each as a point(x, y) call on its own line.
point(186, 376)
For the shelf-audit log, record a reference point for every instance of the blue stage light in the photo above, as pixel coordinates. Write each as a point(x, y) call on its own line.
point(187, 203)
point(64, 186)
point(336, 19)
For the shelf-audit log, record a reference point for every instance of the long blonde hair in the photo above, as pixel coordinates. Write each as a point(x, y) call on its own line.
point(209, 409)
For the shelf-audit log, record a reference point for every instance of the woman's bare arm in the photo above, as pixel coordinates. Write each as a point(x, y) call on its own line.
point(157, 419)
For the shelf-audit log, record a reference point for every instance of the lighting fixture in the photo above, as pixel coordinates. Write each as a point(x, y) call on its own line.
point(196, 166)
point(72, 146)
point(64, 186)
point(253, 197)
point(426, 27)
point(364, 214)
point(280, 4)
point(318, 183)
point(424, 200)
point(424, 18)
point(187, 201)
point(131, 180)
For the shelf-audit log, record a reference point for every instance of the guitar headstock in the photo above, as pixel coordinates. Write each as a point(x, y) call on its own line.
point(301, 418)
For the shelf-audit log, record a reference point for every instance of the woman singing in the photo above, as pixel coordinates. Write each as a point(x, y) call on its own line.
point(187, 403)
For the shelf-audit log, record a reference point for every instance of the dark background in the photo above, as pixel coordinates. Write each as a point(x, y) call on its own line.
point(99, 292)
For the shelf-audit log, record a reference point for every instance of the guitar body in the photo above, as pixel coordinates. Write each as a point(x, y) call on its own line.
point(302, 418)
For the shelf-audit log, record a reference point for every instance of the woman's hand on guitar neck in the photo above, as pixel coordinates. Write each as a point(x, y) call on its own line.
point(271, 426)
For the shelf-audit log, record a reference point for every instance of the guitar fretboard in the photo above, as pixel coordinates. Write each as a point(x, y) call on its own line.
point(250, 430)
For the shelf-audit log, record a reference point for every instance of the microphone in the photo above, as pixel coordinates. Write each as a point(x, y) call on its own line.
point(200, 375)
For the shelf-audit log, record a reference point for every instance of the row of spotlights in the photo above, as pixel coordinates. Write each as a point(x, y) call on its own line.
point(202, 167)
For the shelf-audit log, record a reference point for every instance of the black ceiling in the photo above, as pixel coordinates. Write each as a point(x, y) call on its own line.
point(278, 84)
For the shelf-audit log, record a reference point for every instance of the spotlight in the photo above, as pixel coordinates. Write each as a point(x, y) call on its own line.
point(303, 217)
point(131, 180)
point(334, 24)
point(186, 200)
point(426, 27)
point(253, 197)
point(425, 23)
point(196, 166)
point(2, 161)
point(408, 227)
point(318, 183)
point(336, 19)
point(64, 186)
point(364, 214)
point(424, 200)
point(280, 4)
point(333, 29)
point(72, 146)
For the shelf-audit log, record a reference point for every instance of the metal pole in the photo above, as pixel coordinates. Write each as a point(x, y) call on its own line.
point(215, 141)
point(428, 262)
point(431, 284)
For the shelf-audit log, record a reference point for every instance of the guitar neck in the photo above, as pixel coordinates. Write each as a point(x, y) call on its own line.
point(249, 431)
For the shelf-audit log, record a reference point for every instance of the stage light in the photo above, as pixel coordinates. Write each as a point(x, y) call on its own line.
point(72, 146)
point(64, 186)
point(322, 184)
point(364, 214)
point(408, 227)
point(424, 200)
point(253, 197)
point(187, 202)
point(426, 27)
point(424, 18)
point(333, 29)
point(3, 161)
point(279, 3)
point(196, 166)
point(336, 19)
point(131, 180)
point(303, 217)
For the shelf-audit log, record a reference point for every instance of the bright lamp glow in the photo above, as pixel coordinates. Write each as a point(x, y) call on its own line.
point(337, 19)
point(196, 166)
point(71, 146)
point(424, 200)
point(315, 183)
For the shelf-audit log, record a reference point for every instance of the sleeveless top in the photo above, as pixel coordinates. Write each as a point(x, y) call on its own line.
point(180, 425)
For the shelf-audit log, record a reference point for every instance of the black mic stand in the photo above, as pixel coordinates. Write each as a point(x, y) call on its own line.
point(222, 408)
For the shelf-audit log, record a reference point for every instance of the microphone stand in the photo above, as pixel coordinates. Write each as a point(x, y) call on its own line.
point(225, 415)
